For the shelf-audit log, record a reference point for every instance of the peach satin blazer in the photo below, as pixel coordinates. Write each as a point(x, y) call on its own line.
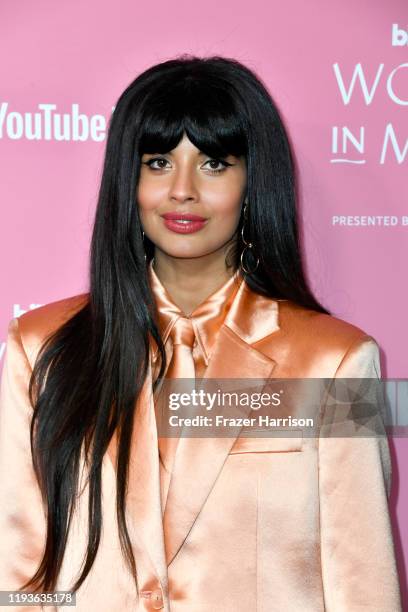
point(302, 527)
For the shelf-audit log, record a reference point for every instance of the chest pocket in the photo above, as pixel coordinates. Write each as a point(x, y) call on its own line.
point(272, 444)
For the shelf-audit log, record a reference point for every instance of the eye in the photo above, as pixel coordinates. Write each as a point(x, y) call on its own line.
point(215, 161)
point(151, 161)
point(159, 163)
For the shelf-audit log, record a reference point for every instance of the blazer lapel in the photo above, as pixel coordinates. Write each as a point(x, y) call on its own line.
point(198, 461)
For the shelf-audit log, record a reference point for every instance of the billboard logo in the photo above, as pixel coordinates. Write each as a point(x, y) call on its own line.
point(399, 36)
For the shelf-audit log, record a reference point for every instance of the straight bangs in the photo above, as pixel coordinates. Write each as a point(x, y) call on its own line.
point(207, 113)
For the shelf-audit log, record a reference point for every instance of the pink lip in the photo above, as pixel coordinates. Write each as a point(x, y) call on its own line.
point(184, 228)
point(174, 216)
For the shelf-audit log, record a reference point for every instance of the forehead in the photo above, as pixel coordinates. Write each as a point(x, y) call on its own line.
point(186, 147)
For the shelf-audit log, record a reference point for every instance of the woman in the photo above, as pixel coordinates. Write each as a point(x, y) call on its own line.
point(195, 271)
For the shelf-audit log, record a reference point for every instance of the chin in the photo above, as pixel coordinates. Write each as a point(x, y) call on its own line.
point(184, 255)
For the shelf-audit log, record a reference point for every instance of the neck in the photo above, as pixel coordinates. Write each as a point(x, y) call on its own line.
point(190, 281)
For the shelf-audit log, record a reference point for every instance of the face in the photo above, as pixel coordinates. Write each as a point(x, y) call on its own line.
point(185, 182)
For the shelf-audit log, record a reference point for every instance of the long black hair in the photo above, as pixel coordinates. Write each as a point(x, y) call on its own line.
point(90, 371)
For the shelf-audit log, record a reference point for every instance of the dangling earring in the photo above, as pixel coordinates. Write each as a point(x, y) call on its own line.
point(143, 235)
point(248, 245)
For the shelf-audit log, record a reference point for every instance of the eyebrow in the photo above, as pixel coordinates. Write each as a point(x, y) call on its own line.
point(199, 154)
point(169, 153)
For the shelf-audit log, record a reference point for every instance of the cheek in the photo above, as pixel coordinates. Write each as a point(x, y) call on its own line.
point(224, 198)
point(149, 196)
point(226, 209)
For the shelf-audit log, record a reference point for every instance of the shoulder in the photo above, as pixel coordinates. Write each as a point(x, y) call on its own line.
point(317, 344)
point(36, 325)
point(309, 324)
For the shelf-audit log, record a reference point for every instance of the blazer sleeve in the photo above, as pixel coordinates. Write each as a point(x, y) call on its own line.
point(357, 550)
point(22, 516)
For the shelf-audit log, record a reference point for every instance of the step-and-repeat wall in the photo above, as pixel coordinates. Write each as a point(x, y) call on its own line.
point(339, 73)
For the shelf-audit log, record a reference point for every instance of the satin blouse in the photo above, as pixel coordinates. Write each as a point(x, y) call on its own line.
point(206, 318)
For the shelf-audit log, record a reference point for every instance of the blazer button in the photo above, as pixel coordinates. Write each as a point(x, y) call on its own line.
point(157, 599)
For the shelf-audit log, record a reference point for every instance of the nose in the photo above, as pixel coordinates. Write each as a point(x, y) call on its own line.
point(183, 187)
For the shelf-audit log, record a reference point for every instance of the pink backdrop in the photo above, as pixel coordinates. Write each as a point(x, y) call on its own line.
point(338, 71)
